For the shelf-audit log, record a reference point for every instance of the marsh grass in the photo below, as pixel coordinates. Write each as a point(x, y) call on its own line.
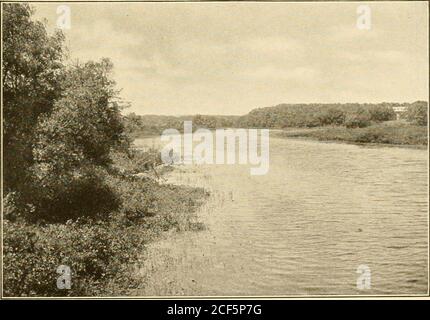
point(166, 270)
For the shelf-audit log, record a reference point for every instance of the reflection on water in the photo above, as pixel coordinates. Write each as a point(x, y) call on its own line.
point(305, 227)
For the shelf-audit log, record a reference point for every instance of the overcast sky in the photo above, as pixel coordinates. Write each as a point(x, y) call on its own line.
point(228, 58)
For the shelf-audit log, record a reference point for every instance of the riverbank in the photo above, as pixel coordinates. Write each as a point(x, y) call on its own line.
point(102, 253)
point(391, 133)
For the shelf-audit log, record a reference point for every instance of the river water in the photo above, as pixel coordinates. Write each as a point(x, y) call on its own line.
point(304, 228)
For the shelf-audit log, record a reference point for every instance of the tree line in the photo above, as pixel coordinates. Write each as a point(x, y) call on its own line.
point(350, 115)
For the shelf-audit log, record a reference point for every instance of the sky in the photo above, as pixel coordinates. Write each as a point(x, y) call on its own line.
point(229, 58)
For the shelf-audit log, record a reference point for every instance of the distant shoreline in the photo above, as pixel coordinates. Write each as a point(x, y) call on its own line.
point(389, 134)
point(381, 135)
point(362, 144)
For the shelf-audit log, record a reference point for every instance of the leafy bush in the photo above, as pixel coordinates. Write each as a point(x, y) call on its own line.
point(73, 147)
point(97, 254)
point(85, 123)
point(137, 196)
point(417, 113)
point(331, 116)
point(14, 207)
point(380, 113)
point(358, 119)
point(62, 195)
point(101, 257)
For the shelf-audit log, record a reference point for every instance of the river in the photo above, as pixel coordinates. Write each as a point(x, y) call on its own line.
point(304, 228)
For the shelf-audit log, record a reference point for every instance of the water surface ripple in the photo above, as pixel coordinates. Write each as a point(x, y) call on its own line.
point(304, 228)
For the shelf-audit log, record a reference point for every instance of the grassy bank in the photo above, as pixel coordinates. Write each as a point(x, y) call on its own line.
point(391, 132)
point(102, 253)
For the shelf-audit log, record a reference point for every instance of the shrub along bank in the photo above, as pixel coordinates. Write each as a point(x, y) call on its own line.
point(69, 194)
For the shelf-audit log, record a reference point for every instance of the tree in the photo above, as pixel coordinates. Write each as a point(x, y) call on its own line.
point(358, 118)
point(331, 116)
point(133, 123)
point(382, 112)
point(32, 70)
point(73, 143)
point(417, 113)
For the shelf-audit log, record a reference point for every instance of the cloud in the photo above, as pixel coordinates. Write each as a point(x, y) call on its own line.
point(227, 58)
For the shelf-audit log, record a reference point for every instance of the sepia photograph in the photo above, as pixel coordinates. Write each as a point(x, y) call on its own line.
point(215, 149)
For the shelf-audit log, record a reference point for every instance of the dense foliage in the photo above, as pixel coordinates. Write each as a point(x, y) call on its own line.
point(73, 144)
point(315, 115)
point(32, 75)
point(350, 115)
point(69, 191)
point(417, 113)
point(102, 259)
